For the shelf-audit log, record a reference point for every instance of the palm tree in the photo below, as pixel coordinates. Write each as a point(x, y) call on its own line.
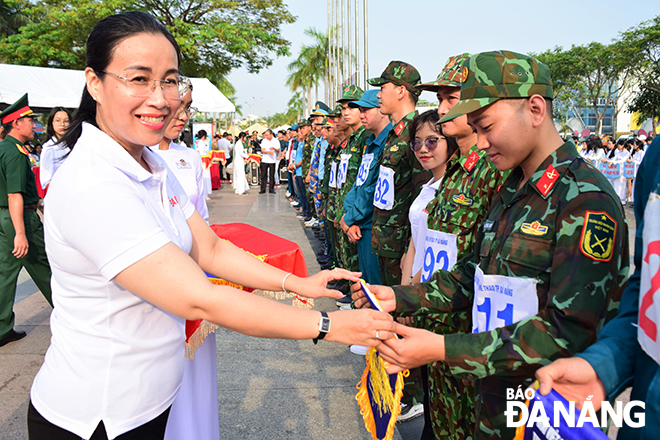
point(310, 67)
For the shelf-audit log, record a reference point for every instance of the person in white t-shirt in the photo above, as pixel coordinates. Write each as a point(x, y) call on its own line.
point(53, 153)
point(270, 149)
point(128, 253)
point(432, 150)
point(184, 162)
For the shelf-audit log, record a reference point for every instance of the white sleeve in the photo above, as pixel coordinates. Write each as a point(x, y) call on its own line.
point(46, 164)
point(112, 227)
point(200, 206)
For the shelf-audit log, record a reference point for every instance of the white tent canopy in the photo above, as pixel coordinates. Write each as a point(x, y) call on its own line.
point(47, 87)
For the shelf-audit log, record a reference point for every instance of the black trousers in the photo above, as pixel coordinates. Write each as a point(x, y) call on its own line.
point(41, 429)
point(266, 169)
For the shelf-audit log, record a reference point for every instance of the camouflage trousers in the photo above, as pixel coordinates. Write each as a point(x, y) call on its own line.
point(331, 238)
point(451, 400)
point(390, 270)
point(346, 252)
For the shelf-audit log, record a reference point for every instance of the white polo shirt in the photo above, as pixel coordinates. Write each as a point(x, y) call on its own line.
point(186, 164)
point(273, 146)
point(52, 156)
point(113, 356)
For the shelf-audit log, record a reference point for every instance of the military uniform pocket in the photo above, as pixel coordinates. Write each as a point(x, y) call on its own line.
point(526, 256)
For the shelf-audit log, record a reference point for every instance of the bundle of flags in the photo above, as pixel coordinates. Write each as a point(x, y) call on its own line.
point(379, 393)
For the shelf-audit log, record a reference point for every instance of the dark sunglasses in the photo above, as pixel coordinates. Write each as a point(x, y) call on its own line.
point(431, 144)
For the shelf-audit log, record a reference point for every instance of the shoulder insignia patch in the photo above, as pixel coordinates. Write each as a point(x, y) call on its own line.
point(23, 149)
point(460, 199)
point(548, 180)
point(534, 228)
point(471, 161)
point(399, 128)
point(394, 148)
point(598, 233)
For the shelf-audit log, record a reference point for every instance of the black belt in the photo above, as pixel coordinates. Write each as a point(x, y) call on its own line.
point(24, 207)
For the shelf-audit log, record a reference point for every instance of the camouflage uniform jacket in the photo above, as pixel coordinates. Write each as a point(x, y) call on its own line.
point(333, 193)
point(308, 149)
point(357, 142)
point(359, 202)
point(463, 198)
point(565, 228)
point(391, 228)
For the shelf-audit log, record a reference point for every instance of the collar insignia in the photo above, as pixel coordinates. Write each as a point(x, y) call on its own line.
point(399, 128)
point(548, 180)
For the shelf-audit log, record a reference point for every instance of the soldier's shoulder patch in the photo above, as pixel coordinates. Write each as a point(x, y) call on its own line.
point(462, 200)
point(598, 234)
point(548, 180)
point(534, 228)
point(471, 161)
point(399, 128)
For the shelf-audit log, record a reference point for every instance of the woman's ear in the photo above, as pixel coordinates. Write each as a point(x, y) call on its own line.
point(93, 83)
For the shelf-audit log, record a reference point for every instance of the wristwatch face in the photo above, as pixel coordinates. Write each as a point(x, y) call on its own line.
point(324, 326)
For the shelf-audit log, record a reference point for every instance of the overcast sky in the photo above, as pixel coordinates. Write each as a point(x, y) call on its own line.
point(425, 33)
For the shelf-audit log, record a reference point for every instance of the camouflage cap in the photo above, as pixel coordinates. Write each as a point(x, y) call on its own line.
point(326, 122)
point(450, 76)
point(336, 111)
point(501, 74)
point(400, 74)
point(350, 93)
point(303, 123)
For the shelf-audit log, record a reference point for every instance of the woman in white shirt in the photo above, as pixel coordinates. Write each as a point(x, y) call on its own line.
point(52, 152)
point(128, 253)
point(432, 150)
point(620, 184)
point(240, 155)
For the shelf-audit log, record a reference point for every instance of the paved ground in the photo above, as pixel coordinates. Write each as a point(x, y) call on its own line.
point(267, 388)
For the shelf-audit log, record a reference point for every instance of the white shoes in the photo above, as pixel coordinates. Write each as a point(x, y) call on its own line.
point(409, 412)
point(313, 222)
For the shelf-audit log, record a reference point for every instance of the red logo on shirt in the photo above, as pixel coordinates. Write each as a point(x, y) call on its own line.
point(399, 128)
point(174, 201)
point(471, 161)
point(547, 181)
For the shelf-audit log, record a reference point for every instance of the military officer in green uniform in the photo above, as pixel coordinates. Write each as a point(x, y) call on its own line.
point(550, 258)
point(454, 215)
point(349, 162)
point(21, 231)
point(400, 174)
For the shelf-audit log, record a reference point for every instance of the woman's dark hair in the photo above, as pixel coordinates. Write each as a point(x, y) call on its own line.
point(432, 117)
point(201, 134)
point(242, 135)
point(50, 132)
point(101, 44)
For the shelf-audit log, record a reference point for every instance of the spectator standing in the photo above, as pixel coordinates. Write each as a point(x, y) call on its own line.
point(53, 153)
point(270, 149)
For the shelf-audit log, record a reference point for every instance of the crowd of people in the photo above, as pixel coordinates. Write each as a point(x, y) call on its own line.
point(493, 245)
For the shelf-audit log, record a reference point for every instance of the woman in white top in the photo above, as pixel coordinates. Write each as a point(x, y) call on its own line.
point(620, 184)
point(52, 152)
point(240, 155)
point(202, 147)
point(128, 253)
point(636, 158)
point(432, 150)
point(184, 162)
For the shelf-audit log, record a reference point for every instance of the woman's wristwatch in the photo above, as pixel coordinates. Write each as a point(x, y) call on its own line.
point(324, 327)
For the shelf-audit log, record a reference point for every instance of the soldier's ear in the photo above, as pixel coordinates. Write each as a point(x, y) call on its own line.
point(537, 108)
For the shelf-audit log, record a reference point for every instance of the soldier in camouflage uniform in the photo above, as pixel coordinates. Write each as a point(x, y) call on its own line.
point(308, 147)
point(550, 258)
point(401, 175)
point(461, 201)
point(332, 161)
point(350, 158)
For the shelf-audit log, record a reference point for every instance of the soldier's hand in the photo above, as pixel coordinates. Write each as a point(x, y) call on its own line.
point(384, 294)
point(354, 233)
point(575, 379)
point(20, 246)
point(416, 347)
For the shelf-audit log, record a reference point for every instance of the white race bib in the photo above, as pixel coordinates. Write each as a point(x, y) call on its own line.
point(649, 286)
point(500, 300)
point(332, 183)
point(384, 194)
point(343, 167)
point(440, 252)
point(363, 172)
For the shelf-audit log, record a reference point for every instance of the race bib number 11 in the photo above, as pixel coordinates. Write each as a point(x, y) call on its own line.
point(384, 194)
point(500, 300)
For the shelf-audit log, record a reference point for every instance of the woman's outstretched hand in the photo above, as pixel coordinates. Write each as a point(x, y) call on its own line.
point(316, 285)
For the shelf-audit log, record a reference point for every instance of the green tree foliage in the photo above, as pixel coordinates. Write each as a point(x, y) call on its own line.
point(215, 36)
point(643, 43)
point(647, 103)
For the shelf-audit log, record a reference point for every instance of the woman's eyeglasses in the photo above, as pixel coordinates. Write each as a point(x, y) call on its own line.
point(140, 86)
point(431, 144)
point(189, 112)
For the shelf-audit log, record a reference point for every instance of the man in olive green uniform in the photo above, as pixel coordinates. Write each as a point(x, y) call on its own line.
point(21, 231)
point(454, 215)
point(400, 175)
point(550, 257)
point(350, 158)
